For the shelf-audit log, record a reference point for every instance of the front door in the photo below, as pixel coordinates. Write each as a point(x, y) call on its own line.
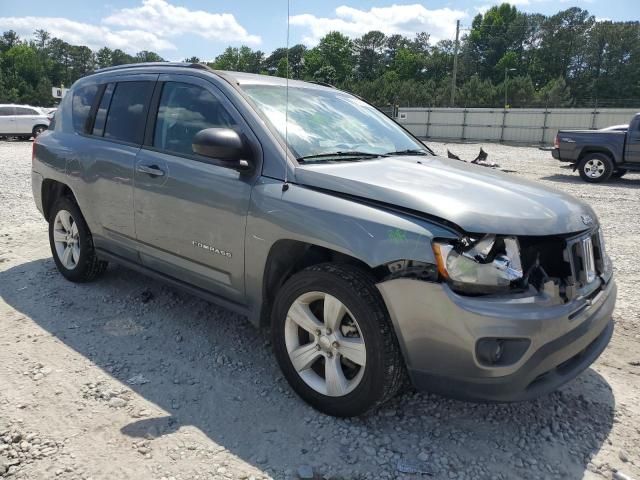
point(632, 148)
point(190, 214)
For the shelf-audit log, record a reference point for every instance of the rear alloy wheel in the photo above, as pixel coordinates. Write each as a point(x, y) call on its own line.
point(71, 243)
point(334, 342)
point(66, 239)
point(37, 130)
point(596, 168)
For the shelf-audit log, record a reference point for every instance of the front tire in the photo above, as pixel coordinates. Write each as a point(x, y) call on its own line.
point(596, 168)
point(334, 342)
point(71, 243)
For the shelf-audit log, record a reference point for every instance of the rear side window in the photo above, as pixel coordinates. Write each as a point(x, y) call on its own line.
point(83, 98)
point(6, 111)
point(103, 108)
point(26, 111)
point(128, 111)
point(183, 111)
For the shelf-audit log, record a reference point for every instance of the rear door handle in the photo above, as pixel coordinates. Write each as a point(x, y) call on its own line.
point(152, 170)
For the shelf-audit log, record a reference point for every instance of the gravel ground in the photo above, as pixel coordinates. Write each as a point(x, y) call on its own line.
point(127, 378)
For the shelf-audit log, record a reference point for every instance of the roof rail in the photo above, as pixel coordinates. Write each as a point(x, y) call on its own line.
point(198, 66)
point(324, 84)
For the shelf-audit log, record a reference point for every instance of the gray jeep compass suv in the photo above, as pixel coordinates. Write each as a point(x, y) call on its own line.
point(373, 261)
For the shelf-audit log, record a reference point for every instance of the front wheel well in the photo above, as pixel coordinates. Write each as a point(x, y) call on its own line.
point(288, 257)
point(51, 191)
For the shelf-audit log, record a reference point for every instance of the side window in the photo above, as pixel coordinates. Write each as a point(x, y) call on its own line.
point(6, 111)
point(128, 111)
point(183, 111)
point(83, 98)
point(25, 111)
point(103, 108)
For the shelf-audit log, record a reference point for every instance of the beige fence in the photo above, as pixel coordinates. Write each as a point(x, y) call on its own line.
point(518, 125)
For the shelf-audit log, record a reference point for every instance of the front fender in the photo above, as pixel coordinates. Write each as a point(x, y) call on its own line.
point(370, 234)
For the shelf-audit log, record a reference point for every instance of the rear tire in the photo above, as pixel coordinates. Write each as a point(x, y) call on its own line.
point(596, 167)
point(342, 371)
point(71, 243)
point(37, 130)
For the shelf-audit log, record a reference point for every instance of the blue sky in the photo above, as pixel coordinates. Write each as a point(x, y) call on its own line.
point(180, 28)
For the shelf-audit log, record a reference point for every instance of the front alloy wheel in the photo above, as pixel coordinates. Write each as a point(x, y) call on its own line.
point(325, 344)
point(334, 342)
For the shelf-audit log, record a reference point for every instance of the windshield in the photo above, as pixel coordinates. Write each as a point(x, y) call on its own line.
point(324, 122)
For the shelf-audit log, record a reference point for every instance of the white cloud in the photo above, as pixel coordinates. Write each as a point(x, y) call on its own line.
point(395, 19)
point(165, 19)
point(93, 36)
point(148, 27)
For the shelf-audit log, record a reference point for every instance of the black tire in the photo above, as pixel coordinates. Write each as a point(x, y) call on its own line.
point(619, 173)
point(37, 130)
point(88, 266)
point(384, 374)
point(603, 167)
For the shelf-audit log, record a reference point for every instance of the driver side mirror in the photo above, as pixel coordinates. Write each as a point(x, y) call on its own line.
point(223, 144)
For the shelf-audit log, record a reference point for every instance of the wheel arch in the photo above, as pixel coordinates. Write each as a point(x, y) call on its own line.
point(288, 257)
point(593, 149)
point(51, 191)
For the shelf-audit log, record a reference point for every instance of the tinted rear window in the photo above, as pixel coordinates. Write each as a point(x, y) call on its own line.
point(128, 111)
point(103, 108)
point(26, 111)
point(83, 98)
point(6, 111)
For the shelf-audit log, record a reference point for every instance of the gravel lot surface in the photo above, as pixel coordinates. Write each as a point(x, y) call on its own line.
point(127, 378)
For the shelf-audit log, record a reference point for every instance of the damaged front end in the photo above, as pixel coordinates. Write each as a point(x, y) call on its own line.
point(561, 267)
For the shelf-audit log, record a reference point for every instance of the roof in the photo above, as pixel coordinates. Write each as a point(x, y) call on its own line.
point(240, 78)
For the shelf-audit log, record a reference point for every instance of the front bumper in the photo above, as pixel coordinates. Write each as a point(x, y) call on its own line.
point(438, 331)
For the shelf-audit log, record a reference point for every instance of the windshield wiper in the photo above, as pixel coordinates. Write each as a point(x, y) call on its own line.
point(409, 151)
point(347, 153)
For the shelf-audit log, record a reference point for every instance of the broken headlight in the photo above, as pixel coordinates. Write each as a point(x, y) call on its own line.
point(484, 265)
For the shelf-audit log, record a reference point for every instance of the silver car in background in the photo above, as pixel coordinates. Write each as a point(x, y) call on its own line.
point(374, 262)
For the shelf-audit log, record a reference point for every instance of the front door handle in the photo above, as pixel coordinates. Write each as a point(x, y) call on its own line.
point(152, 170)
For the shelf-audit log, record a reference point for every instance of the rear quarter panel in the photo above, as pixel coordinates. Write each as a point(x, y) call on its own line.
point(574, 144)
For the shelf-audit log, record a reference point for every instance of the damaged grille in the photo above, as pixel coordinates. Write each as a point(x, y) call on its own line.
point(570, 263)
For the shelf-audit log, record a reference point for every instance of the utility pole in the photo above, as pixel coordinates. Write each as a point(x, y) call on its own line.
point(506, 80)
point(455, 64)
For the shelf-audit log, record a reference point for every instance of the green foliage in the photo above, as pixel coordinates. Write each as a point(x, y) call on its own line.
point(241, 59)
point(566, 59)
point(28, 69)
point(335, 50)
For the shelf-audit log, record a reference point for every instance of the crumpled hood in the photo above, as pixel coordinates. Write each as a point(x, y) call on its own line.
point(477, 199)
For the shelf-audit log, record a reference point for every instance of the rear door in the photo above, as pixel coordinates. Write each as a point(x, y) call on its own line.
point(26, 119)
point(112, 133)
point(190, 214)
point(7, 120)
point(632, 148)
